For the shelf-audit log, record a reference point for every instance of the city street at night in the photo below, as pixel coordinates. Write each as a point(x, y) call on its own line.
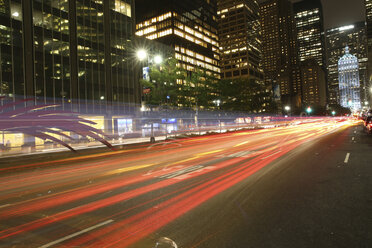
point(305, 185)
point(186, 124)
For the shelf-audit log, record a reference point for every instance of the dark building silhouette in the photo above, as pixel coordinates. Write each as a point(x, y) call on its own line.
point(313, 83)
point(280, 51)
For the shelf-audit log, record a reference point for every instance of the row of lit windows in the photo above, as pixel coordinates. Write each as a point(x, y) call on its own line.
point(160, 34)
point(154, 20)
point(308, 21)
point(195, 55)
point(196, 33)
point(229, 9)
point(307, 13)
point(196, 62)
point(123, 8)
point(190, 38)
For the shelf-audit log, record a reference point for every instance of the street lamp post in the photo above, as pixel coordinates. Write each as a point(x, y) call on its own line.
point(287, 109)
point(143, 56)
point(218, 102)
point(166, 118)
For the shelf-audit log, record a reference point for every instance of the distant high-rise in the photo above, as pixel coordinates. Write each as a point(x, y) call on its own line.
point(310, 30)
point(240, 39)
point(190, 27)
point(368, 4)
point(313, 83)
point(337, 39)
point(349, 85)
point(280, 52)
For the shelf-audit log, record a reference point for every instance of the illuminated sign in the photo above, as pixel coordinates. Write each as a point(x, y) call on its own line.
point(146, 73)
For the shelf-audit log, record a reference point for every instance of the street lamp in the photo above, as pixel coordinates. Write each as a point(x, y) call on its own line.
point(158, 59)
point(287, 108)
point(217, 102)
point(141, 54)
point(309, 110)
point(333, 113)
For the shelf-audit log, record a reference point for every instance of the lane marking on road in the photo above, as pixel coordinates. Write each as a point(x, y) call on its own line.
point(128, 169)
point(246, 142)
point(207, 153)
point(353, 138)
point(76, 234)
point(347, 158)
point(271, 155)
point(4, 206)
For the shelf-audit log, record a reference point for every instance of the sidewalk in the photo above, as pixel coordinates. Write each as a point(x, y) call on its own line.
point(56, 148)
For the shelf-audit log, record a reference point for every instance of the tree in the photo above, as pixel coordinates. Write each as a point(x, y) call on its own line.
point(202, 88)
point(172, 85)
point(246, 95)
point(339, 110)
point(164, 86)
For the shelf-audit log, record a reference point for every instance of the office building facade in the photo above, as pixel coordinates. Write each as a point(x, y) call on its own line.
point(74, 54)
point(68, 52)
point(368, 5)
point(310, 30)
point(189, 27)
point(240, 42)
point(354, 36)
point(313, 84)
point(280, 51)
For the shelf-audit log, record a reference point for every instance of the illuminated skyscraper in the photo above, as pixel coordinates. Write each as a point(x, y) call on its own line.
point(240, 39)
point(190, 27)
point(348, 76)
point(68, 51)
point(280, 52)
point(368, 4)
point(310, 30)
point(337, 39)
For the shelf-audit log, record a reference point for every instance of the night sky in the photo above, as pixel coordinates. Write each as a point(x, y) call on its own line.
point(342, 12)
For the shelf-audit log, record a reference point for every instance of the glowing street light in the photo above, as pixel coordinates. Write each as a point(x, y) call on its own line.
point(141, 54)
point(158, 59)
point(217, 102)
point(333, 113)
point(287, 108)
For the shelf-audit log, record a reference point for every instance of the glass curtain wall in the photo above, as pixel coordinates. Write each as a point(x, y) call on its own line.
point(11, 49)
point(51, 48)
point(96, 83)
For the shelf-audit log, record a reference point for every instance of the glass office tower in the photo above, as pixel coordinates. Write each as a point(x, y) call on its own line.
point(68, 51)
point(310, 30)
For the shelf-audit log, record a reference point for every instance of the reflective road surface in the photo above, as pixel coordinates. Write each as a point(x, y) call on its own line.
point(305, 185)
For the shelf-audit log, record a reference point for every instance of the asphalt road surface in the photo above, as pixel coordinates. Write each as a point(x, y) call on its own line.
point(305, 185)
